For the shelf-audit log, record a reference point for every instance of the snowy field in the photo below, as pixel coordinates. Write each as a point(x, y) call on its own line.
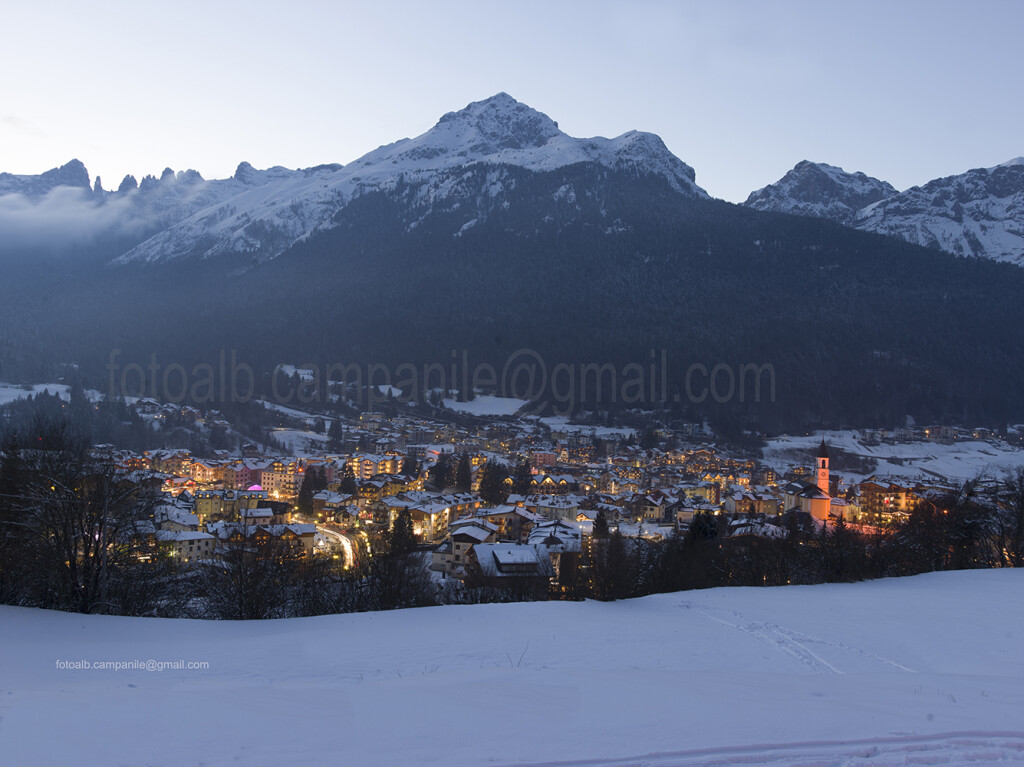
point(487, 404)
point(11, 392)
point(562, 424)
point(303, 444)
point(924, 670)
point(924, 461)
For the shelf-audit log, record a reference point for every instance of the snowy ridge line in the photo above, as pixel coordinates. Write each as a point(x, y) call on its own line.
point(908, 749)
point(269, 211)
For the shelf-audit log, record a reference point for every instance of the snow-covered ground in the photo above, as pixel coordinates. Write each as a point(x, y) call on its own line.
point(303, 444)
point(561, 423)
point(924, 461)
point(487, 404)
point(892, 672)
point(11, 392)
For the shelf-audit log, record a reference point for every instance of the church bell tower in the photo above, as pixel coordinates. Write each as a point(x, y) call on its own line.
point(821, 467)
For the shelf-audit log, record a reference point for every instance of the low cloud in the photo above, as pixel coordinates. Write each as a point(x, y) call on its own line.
point(64, 218)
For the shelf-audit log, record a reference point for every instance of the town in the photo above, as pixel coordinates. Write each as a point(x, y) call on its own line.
point(498, 506)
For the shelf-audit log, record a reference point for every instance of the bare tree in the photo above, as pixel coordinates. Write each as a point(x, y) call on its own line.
point(251, 581)
point(79, 532)
point(1010, 519)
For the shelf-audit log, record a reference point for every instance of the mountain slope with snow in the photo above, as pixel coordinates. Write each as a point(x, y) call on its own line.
point(825, 191)
point(499, 131)
point(979, 213)
point(59, 207)
point(920, 670)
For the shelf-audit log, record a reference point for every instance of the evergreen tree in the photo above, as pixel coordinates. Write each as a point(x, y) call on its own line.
point(649, 439)
point(314, 480)
point(348, 484)
point(617, 564)
point(410, 466)
point(442, 472)
point(335, 435)
point(305, 499)
point(401, 539)
point(522, 479)
point(493, 489)
point(464, 474)
point(601, 525)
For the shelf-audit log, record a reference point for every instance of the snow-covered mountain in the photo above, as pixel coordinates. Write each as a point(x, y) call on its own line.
point(825, 191)
point(59, 208)
point(978, 213)
point(267, 211)
point(72, 174)
point(467, 167)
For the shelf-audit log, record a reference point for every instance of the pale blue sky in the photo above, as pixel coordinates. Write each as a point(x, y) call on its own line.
point(742, 91)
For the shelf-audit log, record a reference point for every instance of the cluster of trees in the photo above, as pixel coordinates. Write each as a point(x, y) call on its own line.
point(313, 481)
point(451, 473)
point(74, 534)
point(961, 530)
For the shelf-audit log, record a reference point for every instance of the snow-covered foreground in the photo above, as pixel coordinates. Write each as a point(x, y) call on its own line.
point(900, 671)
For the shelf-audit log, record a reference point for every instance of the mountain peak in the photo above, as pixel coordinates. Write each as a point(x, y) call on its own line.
point(499, 132)
point(500, 122)
point(817, 189)
point(72, 173)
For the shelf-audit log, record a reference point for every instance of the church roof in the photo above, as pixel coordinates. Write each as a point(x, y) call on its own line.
point(822, 451)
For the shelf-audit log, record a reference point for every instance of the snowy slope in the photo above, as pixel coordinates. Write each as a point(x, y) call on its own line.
point(11, 392)
point(917, 670)
point(961, 461)
point(487, 404)
point(271, 216)
point(979, 213)
point(824, 191)
point(59, 205)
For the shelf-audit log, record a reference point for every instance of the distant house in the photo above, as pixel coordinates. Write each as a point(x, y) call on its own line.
point(452, 557)
point(562, 542)
point(186, 545)
point(513, 523)
point(290, 540)
point(258, 516)
point(513, 566)
point(175, 519)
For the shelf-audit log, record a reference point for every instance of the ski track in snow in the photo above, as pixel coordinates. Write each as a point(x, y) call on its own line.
point(794, 643)
point(954, 748)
